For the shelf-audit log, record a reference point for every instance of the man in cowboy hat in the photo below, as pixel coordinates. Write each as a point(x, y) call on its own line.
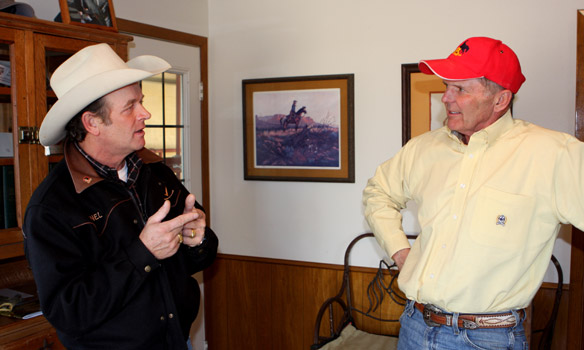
point(491, 194)
point(111, 235)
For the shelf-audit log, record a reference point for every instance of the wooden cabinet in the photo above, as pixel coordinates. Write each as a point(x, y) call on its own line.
point(35, 333)
point(30, 50)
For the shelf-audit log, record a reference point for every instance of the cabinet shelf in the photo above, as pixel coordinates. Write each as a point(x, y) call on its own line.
point(6, 161)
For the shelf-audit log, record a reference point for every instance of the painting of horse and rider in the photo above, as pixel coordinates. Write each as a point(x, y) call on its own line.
point(297, 128)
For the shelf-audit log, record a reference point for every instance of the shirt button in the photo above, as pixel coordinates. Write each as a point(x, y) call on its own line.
point(444, 246)
point(431, 276)
point(161, 318)
point(462, 185)
point(471, 155)
point(135, 221)
point(454, 217)
point(170, 316)
point(147, 268)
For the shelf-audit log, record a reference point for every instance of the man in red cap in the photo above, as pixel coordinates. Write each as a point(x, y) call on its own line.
point(491, 193)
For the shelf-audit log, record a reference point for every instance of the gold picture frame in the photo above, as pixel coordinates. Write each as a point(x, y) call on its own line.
point(307, 140)
point(422, 109)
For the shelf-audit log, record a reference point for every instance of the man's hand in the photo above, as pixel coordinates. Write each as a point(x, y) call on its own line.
point(194, 231)
point(400, 257)
point(162, 238)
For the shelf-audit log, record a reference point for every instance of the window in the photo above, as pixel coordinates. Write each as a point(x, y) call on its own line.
point(163, 98)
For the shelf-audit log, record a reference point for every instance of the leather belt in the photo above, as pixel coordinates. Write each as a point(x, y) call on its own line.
point(434, 317)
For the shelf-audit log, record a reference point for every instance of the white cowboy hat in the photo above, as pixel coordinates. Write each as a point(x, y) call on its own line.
point(89, 74)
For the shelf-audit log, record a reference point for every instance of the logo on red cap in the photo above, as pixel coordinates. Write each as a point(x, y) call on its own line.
point(461, 49)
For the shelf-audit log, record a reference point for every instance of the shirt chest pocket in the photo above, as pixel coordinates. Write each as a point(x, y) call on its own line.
point(501, 219)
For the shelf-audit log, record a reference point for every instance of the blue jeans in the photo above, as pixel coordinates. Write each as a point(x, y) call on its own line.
point(414, 334)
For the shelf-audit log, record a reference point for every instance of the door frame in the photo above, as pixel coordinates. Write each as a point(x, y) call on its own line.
point(165, 34)
point(576, 295)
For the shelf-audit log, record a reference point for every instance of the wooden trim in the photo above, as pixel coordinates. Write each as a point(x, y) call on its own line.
point(272, 261)
point(150, 31)
point(154, 32)
point(550, 285)
point(580, 77)
point(22, 109)
point(10, 236)
point(268, 303)
point(576, 305)
point(576, 302)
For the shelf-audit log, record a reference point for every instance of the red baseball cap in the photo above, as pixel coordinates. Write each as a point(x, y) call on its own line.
point(479, 57)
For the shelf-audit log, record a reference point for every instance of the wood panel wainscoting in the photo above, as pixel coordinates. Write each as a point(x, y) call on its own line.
point(260, 303)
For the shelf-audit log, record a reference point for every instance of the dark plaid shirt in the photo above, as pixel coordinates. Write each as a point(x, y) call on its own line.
point(133, 162)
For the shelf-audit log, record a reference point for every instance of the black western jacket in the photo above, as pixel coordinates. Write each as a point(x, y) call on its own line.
point(98, 284)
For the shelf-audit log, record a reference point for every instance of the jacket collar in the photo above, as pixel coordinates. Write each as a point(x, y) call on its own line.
point(82, 172)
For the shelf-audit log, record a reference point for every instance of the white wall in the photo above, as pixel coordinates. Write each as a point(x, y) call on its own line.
point(262, 38)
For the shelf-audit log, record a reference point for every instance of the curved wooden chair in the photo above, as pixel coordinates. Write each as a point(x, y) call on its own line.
point(342, 329)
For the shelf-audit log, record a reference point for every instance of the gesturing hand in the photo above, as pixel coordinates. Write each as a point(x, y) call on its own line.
point(194, 231)
point(162, 238)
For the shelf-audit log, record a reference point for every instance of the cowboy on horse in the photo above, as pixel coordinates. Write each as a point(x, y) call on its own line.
point(294, 116)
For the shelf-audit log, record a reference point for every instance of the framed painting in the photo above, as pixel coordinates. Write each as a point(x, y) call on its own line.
point(299, 128)
point(422, 108)
point(98, 14)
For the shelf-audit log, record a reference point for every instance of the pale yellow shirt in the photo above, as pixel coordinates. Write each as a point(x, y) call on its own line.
point(489, 212)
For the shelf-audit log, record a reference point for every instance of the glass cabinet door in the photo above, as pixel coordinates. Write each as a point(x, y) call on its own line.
point(12, 103)
point(27, 61)
point(52, 51)
point(7, 184)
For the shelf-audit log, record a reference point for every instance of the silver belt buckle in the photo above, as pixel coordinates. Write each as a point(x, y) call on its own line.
point(469, 324)
point(427, 315)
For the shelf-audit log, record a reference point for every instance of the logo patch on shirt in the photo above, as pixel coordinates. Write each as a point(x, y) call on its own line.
point(166, 195)
point(95, 217)
point(501, 220)
point(87, 179)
